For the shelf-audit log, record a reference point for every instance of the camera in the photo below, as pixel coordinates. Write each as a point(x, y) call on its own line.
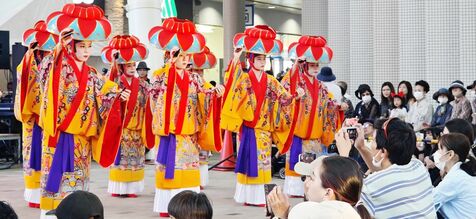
point(352, 131)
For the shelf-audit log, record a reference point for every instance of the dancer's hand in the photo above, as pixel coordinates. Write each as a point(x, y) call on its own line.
point(237, 53)
point(125, 95)
point(66, 36)
point(279, 202)
point(220, 90)
point(300, 92)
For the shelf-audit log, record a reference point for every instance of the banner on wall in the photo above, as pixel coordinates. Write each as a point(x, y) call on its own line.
point(249, 15)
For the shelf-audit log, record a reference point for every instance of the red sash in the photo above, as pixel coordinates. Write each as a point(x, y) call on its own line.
point(149, 135)
point(83, 81)
point(259, 88)
point(293, 81)
point(183, 84)
point(131, 103)
point(313, 88)
point(168, 97)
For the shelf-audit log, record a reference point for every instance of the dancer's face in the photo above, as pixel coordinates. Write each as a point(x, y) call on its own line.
point(182, 61)
point(83, 50)
point(313, 69)
point(130, 69)
point(259, 62)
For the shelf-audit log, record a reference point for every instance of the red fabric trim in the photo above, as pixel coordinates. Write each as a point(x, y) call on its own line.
point(313, 88)
point(114, 73)
point(24, 80)
point(183, 84)
point(149, 135)
point(112, 135)
point(168, 98)
point(216, 122)
point(259, 88)
point(293, 81)
point(83, 81)
point(131, 103)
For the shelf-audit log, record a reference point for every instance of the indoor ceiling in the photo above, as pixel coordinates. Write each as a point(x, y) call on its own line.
point(291, 6)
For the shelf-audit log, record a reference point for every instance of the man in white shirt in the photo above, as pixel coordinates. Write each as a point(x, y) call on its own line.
point(421, 111)
point(327, 77)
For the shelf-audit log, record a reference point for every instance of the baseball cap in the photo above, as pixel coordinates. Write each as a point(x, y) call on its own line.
point(307, 169)
point(79, 205)
point(321, 210)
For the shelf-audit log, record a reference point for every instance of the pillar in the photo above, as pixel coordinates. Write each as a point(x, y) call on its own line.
point(142, 16)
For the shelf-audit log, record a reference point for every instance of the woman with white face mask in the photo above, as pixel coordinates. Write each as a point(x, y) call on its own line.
point(455, 196)
point(443, 111)
point(472, 98)
point(368, 109)
point(422, 110)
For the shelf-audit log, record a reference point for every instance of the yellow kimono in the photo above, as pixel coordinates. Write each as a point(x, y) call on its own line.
point(27, 111)
point(81, 115)
point(129, 163)
point(312, 129)
point(177, 120)
point(260, 110)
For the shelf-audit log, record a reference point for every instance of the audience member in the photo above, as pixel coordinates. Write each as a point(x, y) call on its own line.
point(444, 109)
point(472, 99)
point(190, 205)
point(6, 211)
point(386, 99)
point(323, 210)
point(368, 107)
point(455, 196)
point(332, 178)
point(421, 111)
point(346, 105)
point(399, 110)
point(461, 105)
point(327, 77)
point(405, 87)
point(79, 205)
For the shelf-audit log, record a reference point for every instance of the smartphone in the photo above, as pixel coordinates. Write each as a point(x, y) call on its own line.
point(352, 131)
point(267, 189)
point(307, 157)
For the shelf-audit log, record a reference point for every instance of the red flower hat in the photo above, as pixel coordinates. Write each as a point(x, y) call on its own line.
point(46, 40)
point(204, 59)
point(260, 39)
point(129, 47)
point(314, 48)
point(177, 33)
point(87, 21)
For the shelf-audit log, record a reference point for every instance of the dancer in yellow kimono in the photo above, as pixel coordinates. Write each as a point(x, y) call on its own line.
point(201, 61)
point(178, 112)
point(126, 177)
point(27, 106)
point(81, 110)
point(314, 116)
point(257, 106)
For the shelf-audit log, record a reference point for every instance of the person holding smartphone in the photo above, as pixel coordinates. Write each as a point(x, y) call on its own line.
point(312, 129)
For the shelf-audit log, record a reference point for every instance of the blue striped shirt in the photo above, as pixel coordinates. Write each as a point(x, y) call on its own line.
point(400, 191)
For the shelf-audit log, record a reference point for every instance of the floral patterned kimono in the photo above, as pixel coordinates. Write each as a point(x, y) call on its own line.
point(313, 126)
point(260, 110)
point(81, 116)
point(27, 111)
point(127, 174)
point(176, 120)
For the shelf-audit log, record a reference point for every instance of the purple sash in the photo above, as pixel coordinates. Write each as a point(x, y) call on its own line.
point(63, 161)
point(166, 154)
point(35, 150)
point(296, 150)
point(117, 161)
point(247, 160)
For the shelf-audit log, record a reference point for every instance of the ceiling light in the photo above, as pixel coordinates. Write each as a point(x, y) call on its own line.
point(271, 7)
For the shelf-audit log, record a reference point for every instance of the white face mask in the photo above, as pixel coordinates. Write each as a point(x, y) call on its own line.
point(419, 95)
point(375, 162)
point(438, 162)
point(442, 100)
point(367, 99)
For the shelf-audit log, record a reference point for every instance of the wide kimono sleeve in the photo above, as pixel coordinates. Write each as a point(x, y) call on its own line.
point(238, 105)
point(282, 115)
point(110, 125)
point(331, 118)
point(153, 91)
point(21, 94)
point(209, 104)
